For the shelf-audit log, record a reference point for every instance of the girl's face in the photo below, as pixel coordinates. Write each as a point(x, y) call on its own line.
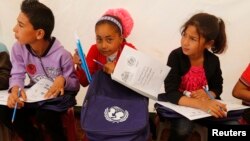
point(24, 31)
point(192, 43)
point(108, 40)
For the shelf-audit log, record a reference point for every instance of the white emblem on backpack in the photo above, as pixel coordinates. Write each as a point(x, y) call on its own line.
point(115, 114)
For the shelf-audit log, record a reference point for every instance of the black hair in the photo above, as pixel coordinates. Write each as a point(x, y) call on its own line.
point(211, 28)
point(39, 15)
point(118, 30)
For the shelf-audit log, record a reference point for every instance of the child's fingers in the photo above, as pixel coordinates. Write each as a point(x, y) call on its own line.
point(52, 93)
point(218, 109)
point(11, 102)
point(62, 91)
point(49, 94)
point(20, 104)
point(222, 106)
point(219, 113)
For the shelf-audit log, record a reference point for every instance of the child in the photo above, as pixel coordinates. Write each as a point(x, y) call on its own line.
point(39, 55)
point(111, 30)
point(194, 68)
point(5, 67)
point(241, 91)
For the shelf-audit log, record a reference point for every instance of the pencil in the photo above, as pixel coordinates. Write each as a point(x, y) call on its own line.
point(82, 57)
point(99, 63)
point(14, 112)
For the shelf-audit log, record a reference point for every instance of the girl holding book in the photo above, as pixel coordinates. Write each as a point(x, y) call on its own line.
point(111, 30)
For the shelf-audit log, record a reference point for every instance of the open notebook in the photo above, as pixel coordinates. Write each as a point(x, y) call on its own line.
point(193, 113)
point(34, 94)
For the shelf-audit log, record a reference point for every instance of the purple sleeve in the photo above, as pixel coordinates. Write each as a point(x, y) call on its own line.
point(18, 67)
point(68, 71)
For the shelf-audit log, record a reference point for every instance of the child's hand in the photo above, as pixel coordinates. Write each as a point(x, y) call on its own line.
point(13, 98)
point(215, 108)
point(57, 88)
point(76, 59)
point(199, 94)
point(109, 67)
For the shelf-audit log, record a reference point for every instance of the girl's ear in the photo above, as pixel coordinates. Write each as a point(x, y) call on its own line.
point(209, 44)
point(40, 34)
point(121, 39)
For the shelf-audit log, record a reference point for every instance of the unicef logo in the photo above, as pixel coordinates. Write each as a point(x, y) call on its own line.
point(131, 61)
point(115, 114)
point(125, 76)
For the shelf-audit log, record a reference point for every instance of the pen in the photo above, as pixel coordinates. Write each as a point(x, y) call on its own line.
point(14, 112)
point(99, 63)
point(207, 92)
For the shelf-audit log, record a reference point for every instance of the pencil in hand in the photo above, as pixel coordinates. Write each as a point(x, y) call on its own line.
point(99, 63)
point(210, 95)
point(15, 108)
point(207, 92)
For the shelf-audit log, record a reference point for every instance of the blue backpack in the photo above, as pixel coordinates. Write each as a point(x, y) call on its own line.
point(113, 112)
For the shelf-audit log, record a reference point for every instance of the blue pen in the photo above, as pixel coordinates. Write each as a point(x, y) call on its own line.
point(14, 112)
point(99, 63)
point(207, 92)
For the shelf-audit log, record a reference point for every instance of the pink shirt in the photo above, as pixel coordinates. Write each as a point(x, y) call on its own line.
point(193, 80)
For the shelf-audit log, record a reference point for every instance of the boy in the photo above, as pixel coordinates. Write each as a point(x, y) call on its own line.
point(39, 55)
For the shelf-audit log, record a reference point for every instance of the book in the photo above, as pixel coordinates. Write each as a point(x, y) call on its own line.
point(37, 91)
point(140, 72)
point(193, 113)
